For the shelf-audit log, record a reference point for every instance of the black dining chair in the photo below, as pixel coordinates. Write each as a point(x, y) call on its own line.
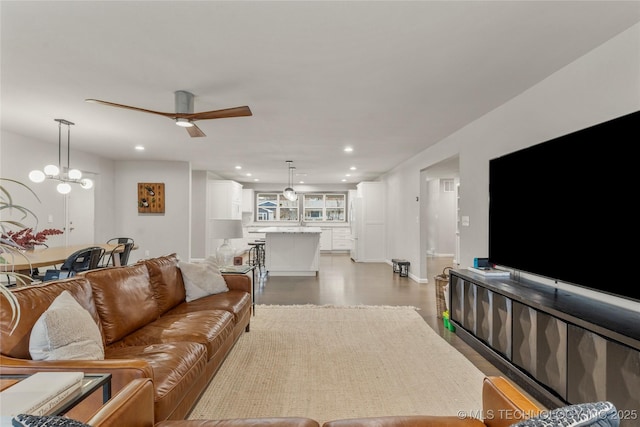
point(81, 260)
point(122, 251)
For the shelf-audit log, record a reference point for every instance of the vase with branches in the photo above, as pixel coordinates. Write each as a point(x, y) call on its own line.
point(9, 249)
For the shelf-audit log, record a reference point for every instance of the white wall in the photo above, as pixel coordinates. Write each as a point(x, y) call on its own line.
point(601, 85)
point(115, 196)
point(20, 155)
point(155, 234)
point(198, 213)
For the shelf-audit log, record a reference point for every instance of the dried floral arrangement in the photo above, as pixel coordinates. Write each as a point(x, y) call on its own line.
point(8, 248)
point(27, 240)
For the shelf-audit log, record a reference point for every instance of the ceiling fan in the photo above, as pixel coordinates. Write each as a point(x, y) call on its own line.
point(184, 115)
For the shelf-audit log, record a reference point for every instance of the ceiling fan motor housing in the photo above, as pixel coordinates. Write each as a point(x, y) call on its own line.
point(184, 102)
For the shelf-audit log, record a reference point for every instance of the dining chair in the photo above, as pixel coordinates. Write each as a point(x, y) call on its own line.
point(116, 256)
point(81, 260)
point(128, 243)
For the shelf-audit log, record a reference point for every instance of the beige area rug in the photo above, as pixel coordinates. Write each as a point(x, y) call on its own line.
point(326, 362)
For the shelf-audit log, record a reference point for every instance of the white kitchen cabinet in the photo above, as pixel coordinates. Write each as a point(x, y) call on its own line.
point(341, 239)
point(326, 239)
point(247, 200)
point(224, 201)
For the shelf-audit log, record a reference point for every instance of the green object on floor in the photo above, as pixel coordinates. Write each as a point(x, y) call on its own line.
point(445, 320)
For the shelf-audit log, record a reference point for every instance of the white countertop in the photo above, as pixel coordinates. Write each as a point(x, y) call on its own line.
point(290, 230)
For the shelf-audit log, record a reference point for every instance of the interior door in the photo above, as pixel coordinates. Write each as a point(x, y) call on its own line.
point(79, 217)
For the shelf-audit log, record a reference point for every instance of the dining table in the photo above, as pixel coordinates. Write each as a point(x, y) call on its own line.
point(27, 260)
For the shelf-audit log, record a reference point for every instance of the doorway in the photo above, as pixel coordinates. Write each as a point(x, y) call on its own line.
point(79, 209)
point(439, 222)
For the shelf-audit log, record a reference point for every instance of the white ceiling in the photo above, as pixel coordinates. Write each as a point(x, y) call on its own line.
point(388, 78)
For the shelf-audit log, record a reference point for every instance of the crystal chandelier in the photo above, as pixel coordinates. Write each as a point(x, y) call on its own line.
point(67, 175)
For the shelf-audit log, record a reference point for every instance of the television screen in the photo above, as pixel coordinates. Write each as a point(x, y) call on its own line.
point(563, 209)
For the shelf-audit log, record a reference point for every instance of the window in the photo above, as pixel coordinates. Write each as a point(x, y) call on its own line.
point(324, 207)
point(316, 207)
point(274, 207)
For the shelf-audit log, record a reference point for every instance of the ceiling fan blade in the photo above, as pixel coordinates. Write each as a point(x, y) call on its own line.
point(195, 131)
point(113, 104)
point(217, 114)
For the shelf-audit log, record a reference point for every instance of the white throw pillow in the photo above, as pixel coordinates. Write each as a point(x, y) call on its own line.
point(201, 279)
point(66, 331)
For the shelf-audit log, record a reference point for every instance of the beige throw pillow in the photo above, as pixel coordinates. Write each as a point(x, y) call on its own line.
point(201, 279)
point(66, 331)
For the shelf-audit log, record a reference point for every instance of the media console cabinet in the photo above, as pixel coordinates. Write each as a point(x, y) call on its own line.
point(561, 347)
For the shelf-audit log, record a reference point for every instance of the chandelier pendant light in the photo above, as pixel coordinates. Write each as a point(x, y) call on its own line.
point(289, 193)
point(66, 176)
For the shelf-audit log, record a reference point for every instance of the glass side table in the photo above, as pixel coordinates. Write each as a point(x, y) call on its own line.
point(244, 269)
point(90, 383)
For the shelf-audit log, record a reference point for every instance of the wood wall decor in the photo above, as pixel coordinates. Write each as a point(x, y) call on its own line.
point(150, 197)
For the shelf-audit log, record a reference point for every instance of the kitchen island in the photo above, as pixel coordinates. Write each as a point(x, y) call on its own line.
point(292, 251)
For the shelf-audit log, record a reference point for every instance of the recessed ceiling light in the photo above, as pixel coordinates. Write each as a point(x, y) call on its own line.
point(139, 147)
point(238, 167)
point(256, 179)
point(344, 180)
point(352, 168)
point(300, 182)
point(348, 149)
point(248, 174)
point(348, 174)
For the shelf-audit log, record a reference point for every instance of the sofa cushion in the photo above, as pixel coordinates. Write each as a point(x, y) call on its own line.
point(236, 302)
point(65, 331)
point(201, 279)
point(166, 281)
point(34, 300)
point(597, 414)
point(124, 299)
point(211, 328)
point(177, 368)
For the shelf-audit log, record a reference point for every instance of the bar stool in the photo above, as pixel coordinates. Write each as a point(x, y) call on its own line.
point(404, 268)
point(396, 267)
point(256, 253)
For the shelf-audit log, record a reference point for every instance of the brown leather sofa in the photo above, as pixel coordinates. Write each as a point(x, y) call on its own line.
point(502, 405)
point(148, 330)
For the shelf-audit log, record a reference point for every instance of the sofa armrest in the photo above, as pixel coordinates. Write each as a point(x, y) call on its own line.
point(238, 282)
point(503, 404)
point(131, 406)
point(122, 371)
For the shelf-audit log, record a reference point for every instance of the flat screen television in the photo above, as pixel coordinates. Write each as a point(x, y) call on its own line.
point(563, 209)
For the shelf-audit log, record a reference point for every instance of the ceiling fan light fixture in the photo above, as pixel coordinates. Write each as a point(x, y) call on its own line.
point(185, 123)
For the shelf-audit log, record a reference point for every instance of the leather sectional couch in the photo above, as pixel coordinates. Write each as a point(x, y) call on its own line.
point(502, 405)
point(148, 330)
